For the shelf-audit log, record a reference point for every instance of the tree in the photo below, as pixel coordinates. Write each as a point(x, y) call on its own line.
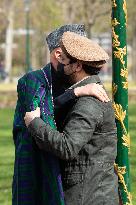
point(87, 12)
point(43, 18)
point(47, 17)
point(8, 9)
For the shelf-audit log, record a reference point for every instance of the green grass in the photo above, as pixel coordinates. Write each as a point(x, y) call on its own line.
point(7, 153)
point(132, 132)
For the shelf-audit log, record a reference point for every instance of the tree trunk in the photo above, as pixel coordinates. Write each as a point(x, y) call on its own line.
point(89, 30)
point(9, 45)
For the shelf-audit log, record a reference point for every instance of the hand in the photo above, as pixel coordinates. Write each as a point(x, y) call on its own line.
point(29, 116)
point(92, 89)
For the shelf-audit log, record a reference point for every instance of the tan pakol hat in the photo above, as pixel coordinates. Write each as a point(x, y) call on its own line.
point(83, 49)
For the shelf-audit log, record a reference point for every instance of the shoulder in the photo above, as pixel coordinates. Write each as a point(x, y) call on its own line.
point(22, 79)
point(28, 79)
point(33, 75)
point(94, 103)
point(21, 83)
point(88, 108)
point(27, 76)
point(94, 109)
point(89, 103)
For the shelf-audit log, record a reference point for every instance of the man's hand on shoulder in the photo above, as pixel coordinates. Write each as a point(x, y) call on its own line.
point(92, 89)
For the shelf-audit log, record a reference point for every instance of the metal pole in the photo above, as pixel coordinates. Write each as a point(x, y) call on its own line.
point(27, 11)
point(120, 97)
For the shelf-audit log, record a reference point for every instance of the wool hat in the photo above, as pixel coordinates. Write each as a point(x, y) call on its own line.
point(54, 37)
point(83, 49)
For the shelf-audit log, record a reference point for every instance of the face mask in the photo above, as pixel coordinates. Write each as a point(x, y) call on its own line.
point(60, 74)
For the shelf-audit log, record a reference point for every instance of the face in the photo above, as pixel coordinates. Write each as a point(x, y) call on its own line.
point(69, 68)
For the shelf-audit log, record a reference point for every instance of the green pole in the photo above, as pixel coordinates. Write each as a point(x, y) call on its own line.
point(27, 43)
point(120, 97)
point(28, 64)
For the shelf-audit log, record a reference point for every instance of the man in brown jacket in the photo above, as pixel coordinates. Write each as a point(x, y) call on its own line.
point(88, 144)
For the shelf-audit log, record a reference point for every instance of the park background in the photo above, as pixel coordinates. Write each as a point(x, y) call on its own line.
point(23, 28)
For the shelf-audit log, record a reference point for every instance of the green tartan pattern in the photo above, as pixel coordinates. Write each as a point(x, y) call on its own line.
point(37, 179)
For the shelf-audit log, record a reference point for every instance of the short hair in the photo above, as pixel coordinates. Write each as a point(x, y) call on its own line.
point(91, 70)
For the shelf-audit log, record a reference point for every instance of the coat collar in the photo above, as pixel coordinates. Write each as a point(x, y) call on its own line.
point(87, 80)
point(46, 71)
point(41, 79)
point(44, 75)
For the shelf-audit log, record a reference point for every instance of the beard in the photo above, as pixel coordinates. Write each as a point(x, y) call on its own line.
point(62, 77)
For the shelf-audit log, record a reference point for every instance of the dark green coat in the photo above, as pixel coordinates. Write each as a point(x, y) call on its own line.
point(37, 179)
point(88, 146)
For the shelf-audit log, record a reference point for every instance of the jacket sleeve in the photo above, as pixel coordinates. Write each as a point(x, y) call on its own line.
point(18, 122)
point(25, 89)
point(78, 130)
point(66, 97)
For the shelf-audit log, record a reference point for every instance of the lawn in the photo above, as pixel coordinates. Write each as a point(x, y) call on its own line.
point(7, 153)
point(132, 131)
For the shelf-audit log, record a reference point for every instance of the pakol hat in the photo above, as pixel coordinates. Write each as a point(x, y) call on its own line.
point(83, 49)
point(54, 37)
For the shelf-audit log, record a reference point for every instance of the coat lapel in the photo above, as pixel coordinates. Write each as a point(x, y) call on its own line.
point(35, 80)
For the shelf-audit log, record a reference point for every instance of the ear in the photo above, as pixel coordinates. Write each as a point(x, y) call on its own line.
point(79, 66)
point(57, 53)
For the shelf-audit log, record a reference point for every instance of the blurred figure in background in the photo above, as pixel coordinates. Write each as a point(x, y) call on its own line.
point(3, 74)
